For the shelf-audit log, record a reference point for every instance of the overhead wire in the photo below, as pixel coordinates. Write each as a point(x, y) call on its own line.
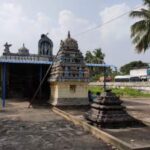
point(107, 22)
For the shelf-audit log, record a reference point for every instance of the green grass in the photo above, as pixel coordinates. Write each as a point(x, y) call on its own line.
point(126, 92)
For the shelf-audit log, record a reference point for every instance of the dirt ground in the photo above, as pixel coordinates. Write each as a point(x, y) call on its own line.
point(41, 129)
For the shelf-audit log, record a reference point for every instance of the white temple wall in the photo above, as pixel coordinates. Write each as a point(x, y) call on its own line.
point(69, 91)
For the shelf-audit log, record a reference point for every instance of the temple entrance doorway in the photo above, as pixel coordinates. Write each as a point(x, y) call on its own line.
point(24, 79)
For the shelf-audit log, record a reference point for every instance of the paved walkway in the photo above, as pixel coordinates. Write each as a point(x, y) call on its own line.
point(40, 129)
point(136, 137)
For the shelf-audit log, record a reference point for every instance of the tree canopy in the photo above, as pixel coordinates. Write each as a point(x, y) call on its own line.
point(140, 30)
point(96, 56)
point(125, 69)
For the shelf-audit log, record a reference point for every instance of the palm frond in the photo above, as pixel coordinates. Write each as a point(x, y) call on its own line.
point(140, 26)
point(146, 12)
point(140, 31)
point(143, 13)
point(144, 43)
point(136, 39)
point(147, 2)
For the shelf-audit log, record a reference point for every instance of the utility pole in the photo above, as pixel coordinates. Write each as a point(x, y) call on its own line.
point(104, 71)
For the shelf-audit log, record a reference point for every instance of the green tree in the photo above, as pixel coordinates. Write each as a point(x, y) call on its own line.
point(88, 57)
point(96, 57)
point(132, 65)
point(140, 30)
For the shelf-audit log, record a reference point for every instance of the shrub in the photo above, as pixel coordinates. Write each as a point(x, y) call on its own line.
point(121, 92)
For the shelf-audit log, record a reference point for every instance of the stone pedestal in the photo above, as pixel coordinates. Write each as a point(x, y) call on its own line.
point(69, 93)
point(107, 112)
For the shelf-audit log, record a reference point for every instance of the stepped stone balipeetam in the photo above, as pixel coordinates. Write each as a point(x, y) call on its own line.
point(107, 112)
point(69, 76)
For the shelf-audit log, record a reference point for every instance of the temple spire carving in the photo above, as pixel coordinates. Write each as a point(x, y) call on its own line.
point(69, 64)
point(69, 36)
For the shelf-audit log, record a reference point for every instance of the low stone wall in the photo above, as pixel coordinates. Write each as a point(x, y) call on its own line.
point(143, 86)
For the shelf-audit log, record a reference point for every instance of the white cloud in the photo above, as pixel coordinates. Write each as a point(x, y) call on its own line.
point(69, 21)
point(119, 28)
point(17, 27)
point(115, 36)
point(9, 17)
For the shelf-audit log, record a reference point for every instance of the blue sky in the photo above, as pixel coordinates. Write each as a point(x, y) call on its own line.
point(22, 21)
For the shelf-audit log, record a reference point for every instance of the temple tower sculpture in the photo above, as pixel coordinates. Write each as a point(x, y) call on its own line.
point(23, 51)
point(7, 46)
point(45, 46)
point(69, 75)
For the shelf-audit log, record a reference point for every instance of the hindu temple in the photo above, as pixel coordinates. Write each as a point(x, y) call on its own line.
point(23, 71)
point(69, 75)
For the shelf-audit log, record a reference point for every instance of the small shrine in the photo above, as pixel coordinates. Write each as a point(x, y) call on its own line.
point(69, 75)
point(107, 111)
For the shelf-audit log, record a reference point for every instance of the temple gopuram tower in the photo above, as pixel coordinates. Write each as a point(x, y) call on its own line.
point(69, 75)
point(45, 46)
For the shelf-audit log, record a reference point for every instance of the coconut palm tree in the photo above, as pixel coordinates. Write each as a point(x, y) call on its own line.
point(98, 56)
point(140, 30)
point(88, 57)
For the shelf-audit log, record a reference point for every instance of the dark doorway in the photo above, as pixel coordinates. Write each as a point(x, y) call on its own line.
point(24, 79)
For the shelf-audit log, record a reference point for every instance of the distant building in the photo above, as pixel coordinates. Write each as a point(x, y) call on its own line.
point(127, 78)
point(143, 73)
point(135, 75)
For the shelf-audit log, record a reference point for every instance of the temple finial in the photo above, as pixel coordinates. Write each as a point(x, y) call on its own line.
point(23, 45)
point(69, 34)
